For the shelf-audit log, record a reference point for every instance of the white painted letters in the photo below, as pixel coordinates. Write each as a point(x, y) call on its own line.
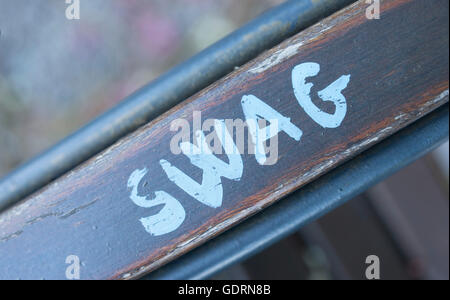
point(330, 93)
point(254, 109)
point(210, 190)
point(171, 215)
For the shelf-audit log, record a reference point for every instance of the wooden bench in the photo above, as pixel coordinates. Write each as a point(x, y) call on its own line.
point(329, 93)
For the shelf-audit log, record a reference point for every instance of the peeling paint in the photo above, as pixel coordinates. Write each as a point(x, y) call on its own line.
point(277, 58)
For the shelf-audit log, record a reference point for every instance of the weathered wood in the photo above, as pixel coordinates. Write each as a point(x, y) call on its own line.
point(397, 69)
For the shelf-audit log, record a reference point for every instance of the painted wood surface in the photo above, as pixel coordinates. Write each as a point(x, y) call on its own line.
point(377, 75)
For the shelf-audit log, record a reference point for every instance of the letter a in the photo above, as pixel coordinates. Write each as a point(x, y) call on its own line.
point(254, 110)
point(73, 10)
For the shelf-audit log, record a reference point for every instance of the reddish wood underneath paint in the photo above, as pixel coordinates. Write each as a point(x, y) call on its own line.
point(399, 69)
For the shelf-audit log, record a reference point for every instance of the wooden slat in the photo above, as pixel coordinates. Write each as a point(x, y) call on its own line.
point(397, 69)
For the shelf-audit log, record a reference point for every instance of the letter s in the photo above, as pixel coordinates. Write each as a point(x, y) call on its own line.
point(171, 215)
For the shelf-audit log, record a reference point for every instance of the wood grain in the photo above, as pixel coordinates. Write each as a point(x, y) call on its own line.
point(399, 72)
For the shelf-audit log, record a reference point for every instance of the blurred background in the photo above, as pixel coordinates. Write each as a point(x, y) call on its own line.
point(56, 75)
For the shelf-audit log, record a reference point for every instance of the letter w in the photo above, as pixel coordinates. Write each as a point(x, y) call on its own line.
point(210, 191)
